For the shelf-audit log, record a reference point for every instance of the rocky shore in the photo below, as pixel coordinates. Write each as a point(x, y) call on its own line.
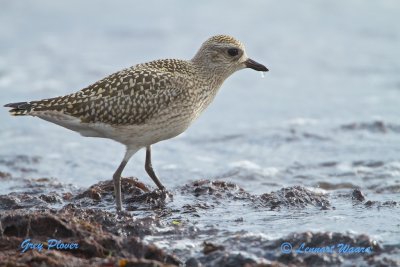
point(162, 229)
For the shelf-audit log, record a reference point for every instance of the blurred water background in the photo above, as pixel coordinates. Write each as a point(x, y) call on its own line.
point(326, 116)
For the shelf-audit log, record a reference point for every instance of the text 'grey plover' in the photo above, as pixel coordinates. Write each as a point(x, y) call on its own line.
point(146, 103)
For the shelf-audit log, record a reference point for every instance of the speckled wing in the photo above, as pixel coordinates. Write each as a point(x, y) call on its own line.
point(129, 97)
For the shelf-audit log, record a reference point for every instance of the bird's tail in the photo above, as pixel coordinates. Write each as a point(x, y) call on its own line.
point(20, 108)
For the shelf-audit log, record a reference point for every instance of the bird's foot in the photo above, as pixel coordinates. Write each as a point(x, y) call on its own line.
point(163, 193)
point(122, 212)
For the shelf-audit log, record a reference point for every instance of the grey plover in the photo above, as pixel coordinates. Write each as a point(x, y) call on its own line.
point(146, 103)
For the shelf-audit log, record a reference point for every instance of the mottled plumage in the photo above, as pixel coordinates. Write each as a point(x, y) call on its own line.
point(146, 103)
point(129, 97)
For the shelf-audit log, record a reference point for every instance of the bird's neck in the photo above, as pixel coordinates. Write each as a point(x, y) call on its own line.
point(213, 75)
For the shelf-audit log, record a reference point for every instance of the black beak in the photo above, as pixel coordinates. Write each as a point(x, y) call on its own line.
point(255, 65)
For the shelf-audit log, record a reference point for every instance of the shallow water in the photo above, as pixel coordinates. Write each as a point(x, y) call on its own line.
point(326, 116)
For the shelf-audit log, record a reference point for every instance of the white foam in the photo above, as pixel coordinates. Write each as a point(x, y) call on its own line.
point(245, 164)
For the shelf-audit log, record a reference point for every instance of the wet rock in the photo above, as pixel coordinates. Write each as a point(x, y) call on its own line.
point(379, 204)
point(107, 238)
point(358, 195)
point(315, 137)
point(193, 262)
point(240, 219)
point(331, 186)
point(36, 195)
point(293, 197)
point(122, 223)
point(209, 247)
point(294, 136)
point(22, 163)
point(225, 259)
point(389, 189)
point(67, 196)
point(216, 189)
point(389, 203)
point(374, 127)
point(5, 175)
point(136, 195)
point(369, 203)
point(382, 262)
point(15, 201)
point(43, 185)
point(51, 198)
point(329, 164)
point(370, 164)
point(152, 200)
point(194, 208)
point(94, 231)
point(273, 251)
point(60, 259)
point(105, 189)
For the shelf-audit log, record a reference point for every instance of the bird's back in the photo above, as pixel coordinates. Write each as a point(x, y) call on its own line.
point(130, 96)
point(159, 97)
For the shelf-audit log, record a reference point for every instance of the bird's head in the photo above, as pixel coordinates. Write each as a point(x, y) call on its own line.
point(223, 54)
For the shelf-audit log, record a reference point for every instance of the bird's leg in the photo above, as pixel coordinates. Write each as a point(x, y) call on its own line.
point(117, 179)
point(149, 169)
point(117, 184)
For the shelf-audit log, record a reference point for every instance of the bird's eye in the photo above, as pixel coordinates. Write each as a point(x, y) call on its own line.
point(233, 52)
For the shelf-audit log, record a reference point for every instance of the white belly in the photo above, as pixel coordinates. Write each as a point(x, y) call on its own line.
point(147, 134)
point(166, 125)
